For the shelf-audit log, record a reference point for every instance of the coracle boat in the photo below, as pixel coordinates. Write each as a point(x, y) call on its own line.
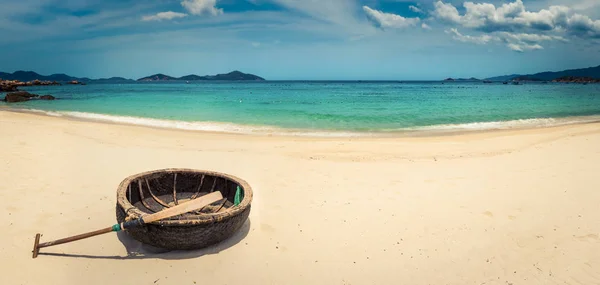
point(153, 191)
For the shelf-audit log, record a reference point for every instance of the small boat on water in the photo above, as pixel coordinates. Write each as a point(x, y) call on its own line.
point(516, 83)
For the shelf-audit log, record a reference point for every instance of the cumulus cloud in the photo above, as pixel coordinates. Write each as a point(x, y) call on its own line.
point(509, 17)
point(169, 15)
point(200, 7)
point(425, 26)
point(194, 7)
point(415, 9)
point(480, 40)
point(387, 20)
point(584, 26)
point(447, 12)
point(513, 24)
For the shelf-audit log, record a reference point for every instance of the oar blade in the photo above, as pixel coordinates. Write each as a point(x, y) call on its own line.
point(192, 205)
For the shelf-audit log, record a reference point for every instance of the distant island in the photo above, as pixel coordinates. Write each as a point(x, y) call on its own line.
point(10, 82)
point(583, 75)
point(231, 76)
point(472, 79)
point(30, 77)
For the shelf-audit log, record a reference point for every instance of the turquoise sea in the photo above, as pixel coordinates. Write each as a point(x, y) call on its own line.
point(324, 108)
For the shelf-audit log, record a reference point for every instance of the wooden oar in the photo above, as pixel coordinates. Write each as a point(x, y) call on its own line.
point(182, 208)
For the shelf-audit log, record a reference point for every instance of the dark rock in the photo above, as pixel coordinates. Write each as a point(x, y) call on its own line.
point(23, 94)
point(12, 98)
point(8, 88)
point(47, 97)
point(20, 96)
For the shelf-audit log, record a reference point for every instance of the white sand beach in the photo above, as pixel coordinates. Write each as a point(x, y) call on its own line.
point(498, 207)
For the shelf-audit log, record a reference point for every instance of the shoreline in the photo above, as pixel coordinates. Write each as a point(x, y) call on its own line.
point(269, 131)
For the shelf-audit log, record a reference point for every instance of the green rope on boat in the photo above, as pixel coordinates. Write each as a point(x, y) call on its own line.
point(239, 196)
point(116, 228)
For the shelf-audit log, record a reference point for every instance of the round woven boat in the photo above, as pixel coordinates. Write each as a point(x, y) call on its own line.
point(153, 191)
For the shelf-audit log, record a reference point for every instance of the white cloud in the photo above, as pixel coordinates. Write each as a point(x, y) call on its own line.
point(387, 20)
point(480, 40)
point(169, 15)
point(200, 7)
point(447, 12)
point(584, 26)
point(415, 9)
point(333, 11)
point(524, 47)
point(512, 24)
point(508, 17)
point(526, 42)
point(334, 15)
point(425, 26)
point(530, 38)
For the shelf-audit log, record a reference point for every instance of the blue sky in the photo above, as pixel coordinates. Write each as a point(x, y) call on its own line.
point(299, 39)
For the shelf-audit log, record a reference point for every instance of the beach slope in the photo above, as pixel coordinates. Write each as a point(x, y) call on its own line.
point(503, 207)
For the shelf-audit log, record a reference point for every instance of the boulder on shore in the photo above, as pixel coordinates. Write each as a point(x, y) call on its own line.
point(47, 97)
point(23, 93)
point(20, 96)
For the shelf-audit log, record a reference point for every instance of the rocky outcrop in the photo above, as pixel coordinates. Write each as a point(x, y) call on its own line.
point(11, 98)
point(20, 96)
point(12, 85)
point(47, 97)
point(8, 88)
point(23, 94)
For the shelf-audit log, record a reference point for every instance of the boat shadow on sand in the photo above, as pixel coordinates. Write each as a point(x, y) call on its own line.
point(138, 250)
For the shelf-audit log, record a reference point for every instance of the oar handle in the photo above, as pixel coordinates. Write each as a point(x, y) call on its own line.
point(193, 205)
point(114, 228)
point(77, 237)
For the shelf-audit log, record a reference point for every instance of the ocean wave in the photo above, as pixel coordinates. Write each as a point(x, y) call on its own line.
point(196, 126)
point(221, 127)
point(511, 124)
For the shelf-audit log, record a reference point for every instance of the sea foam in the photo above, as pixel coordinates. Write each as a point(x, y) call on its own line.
point(222, 127)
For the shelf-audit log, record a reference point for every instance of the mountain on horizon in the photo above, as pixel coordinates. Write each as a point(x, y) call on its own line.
point(231, 76)
point(25, 76)
point(590, 72)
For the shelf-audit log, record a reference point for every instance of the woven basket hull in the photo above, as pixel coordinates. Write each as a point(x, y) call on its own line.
point(188, 231)
point(186, 236)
